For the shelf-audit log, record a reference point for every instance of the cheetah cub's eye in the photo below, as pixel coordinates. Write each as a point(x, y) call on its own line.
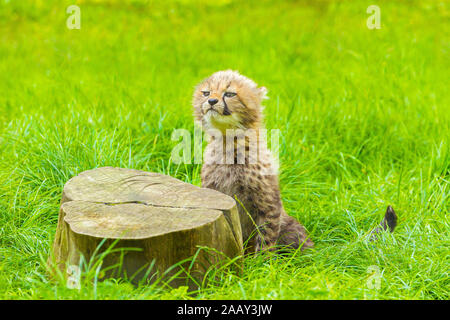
point(205, 93)
point(229, 94)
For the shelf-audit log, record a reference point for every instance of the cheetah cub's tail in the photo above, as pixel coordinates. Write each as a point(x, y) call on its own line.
point(389, 222)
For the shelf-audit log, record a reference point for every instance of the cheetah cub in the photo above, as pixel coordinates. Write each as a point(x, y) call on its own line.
point(238, 163)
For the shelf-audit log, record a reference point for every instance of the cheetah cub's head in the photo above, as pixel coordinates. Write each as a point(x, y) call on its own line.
point(228, 100)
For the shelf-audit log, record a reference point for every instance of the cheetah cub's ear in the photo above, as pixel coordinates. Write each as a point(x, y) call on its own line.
point(263, 93)
point(262, 96)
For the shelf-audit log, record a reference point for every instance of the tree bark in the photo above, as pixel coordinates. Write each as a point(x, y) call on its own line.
point(150, 221)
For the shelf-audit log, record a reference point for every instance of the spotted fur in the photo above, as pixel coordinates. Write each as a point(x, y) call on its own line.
point(252, 181)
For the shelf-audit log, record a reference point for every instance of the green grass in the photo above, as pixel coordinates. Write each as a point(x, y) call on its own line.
point(364, 117)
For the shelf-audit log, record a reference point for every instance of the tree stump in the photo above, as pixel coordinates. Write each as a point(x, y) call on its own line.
point(163, 219)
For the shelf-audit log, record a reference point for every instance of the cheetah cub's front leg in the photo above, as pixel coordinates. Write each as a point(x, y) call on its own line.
point(224, 103)
point(268, 208)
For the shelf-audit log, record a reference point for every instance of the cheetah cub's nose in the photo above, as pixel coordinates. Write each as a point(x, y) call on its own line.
point(213, 101)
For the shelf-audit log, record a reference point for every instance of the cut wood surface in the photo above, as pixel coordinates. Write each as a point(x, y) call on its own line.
point(148, 218)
